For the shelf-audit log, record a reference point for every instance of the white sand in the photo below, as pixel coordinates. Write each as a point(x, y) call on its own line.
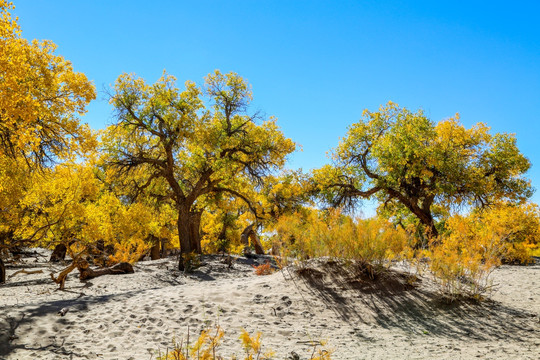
point(131, 316)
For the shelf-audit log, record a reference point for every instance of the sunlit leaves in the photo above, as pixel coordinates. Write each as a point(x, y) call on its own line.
point(41, 94)
point(201, 151)
point(404, 157)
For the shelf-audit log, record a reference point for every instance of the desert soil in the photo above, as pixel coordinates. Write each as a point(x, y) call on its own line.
point(136, 315)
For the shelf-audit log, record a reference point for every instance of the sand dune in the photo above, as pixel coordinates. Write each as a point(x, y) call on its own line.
point(131, 316)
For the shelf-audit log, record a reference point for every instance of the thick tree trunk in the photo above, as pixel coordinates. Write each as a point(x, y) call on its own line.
point(424, 215)
point(155, 253)
point(189, 233)
point(184, 237)
point(195, 230)
point(250, 234)
point(427, 219)
point(59, 253)
point(2, 272)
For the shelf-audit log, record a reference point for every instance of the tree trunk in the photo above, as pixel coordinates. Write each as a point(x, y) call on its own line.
point(195, 230)
point(163, 248)
point(250, 234)
point(425, 217)
point(155, 250)
point(184, 237)
point(189, 233)
point(59, 253)
point(2, 272)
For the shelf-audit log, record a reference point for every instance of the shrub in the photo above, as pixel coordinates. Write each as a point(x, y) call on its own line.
point(331, 233)
point(263, 269)
point(463, 258)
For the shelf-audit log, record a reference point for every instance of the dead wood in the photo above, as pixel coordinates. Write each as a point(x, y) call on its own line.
point(24, 271)
point(86, 273)
point(61, 279)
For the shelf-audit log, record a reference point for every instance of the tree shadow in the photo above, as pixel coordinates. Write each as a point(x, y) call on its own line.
point(390, 301)
point(9, 323)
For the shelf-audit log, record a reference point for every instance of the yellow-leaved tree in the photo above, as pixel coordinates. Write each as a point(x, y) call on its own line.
point(40, 98)
point(412, 164)
point(41, 94)
point(198, 150)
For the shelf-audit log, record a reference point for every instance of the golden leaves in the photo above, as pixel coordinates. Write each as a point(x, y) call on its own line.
point(41, 94)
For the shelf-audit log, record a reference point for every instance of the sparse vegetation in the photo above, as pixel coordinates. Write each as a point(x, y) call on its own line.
point(205, 347)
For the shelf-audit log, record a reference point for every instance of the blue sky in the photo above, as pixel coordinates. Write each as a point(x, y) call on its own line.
point(317, 64)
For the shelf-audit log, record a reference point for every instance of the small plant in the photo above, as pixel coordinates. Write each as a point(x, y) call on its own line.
point(253, 347)
point(319, 352)
point(191, 261)
point(208, 342)
point(204, 348)
point(264, 269)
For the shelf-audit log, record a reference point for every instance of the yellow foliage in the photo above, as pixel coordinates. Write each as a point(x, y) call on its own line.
point(463, 259)
point(206, 347)
point(474, 245)
point(517, 228)
point(40, 96)
point(252, 346)
point(333, 234)
point(129, 252)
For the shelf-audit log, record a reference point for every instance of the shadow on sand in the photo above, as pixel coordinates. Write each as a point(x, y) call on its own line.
point(389, 301)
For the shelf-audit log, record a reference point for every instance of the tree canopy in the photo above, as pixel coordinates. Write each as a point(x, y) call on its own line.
point(41, 94)
point(406, 160)
point(200, 150)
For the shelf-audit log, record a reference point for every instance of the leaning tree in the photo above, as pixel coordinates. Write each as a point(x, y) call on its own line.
point(198, 148)
point(409, 162)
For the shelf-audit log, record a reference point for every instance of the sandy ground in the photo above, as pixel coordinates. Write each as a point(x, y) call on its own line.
point(132, 316)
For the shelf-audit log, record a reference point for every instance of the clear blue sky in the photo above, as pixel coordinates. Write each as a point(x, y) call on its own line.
point(317, 64)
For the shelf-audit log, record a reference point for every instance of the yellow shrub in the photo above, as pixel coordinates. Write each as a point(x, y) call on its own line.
point(463, 258)
point(333, 234)
point(516, 226)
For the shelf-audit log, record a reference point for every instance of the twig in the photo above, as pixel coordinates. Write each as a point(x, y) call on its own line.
point(24, 271)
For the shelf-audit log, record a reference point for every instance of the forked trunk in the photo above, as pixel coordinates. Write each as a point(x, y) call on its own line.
point(248, 234)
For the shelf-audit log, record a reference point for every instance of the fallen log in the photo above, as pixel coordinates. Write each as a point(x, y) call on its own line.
point(86, 273)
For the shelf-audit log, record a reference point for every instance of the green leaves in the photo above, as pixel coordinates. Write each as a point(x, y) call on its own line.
point(404, 157)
